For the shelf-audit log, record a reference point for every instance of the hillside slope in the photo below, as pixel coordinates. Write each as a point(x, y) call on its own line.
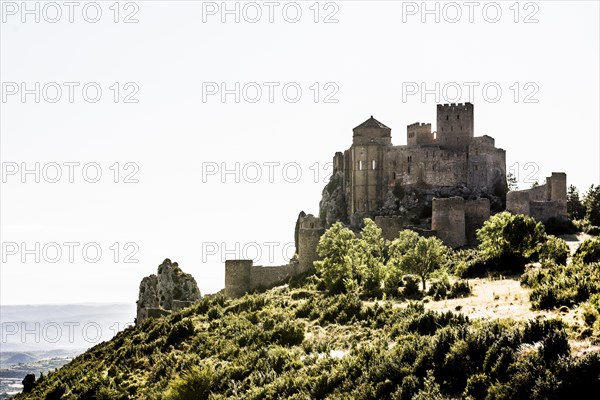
point(303, 344)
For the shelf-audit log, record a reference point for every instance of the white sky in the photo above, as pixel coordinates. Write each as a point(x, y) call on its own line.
point(368, 56)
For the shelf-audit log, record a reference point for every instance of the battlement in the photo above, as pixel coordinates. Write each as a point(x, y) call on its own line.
point(455, 124)
point(418, 124)
point(451, 106)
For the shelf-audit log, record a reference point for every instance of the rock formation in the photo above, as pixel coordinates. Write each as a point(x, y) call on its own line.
point(170, 289)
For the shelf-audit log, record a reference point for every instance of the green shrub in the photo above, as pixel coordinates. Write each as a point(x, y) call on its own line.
point(180, 331)
point(588, 251)
point(558, 285)
point(554, 249)
point(193, 384)
point(411, 287)
point(559, 226)
point(443, 289)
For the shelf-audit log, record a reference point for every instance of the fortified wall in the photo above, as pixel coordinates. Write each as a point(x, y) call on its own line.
point(241, 276)
point(541, 202)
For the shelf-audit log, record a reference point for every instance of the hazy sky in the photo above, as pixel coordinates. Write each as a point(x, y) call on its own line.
point(292, 89)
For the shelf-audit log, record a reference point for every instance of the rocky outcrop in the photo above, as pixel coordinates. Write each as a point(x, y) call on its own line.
point(332, 206)
point(169, 290)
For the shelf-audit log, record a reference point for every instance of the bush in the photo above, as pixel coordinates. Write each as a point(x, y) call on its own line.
point(554, 249)
point(559, 226)
point(411, 287)
point(559, 285)
point(588, 252)
point(443, 289)
point(194, 384)
point(460, 289)
point(180, 331)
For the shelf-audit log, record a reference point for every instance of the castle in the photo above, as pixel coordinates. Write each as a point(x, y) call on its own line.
point(445, 183)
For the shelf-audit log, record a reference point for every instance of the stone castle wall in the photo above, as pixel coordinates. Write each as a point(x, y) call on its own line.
point(476, 213)
point(391, 225)
point(541, 202)
point(448, 220)
point(241, 276)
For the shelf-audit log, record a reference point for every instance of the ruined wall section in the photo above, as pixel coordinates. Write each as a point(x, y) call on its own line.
point(309, 233)
point(542, 202)
point(476, 213)
point(391, 225)
point(242, 277)
point(448, 220)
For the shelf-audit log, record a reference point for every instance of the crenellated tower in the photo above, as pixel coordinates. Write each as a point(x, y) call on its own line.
point(455, 125)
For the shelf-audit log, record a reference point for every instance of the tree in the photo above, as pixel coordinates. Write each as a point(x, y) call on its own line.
point(592, 205)
point(511, 181)
point(337, 267)
point(369, 256)
point(406, 240)
point(418, 255)
point(575, 207)
point(512, 237)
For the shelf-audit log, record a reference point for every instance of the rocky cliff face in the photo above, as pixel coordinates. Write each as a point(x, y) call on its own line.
point(332, 206)
point(169, 289)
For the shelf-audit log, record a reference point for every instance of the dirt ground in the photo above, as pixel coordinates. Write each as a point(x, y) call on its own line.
point(505, 298)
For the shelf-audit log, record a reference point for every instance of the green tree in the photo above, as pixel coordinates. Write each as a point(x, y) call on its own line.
point(406, 240)
point(592, 205)
point(415, 254)
point(511, 237)
point(575, 207)
point(337, 266)
point(369, 256)
point(511, 181)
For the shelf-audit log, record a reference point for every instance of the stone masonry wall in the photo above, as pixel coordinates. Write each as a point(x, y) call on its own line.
point(448, 220)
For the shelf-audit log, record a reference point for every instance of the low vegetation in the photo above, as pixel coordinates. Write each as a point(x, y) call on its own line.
point(358, 329)
point(305, 344)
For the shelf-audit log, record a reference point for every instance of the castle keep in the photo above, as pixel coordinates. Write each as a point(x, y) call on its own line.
point(445, 183)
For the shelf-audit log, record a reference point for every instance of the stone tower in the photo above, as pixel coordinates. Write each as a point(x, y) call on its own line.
point(369, 142)
point(310, 229)
point(455, 125)
point(419, 133)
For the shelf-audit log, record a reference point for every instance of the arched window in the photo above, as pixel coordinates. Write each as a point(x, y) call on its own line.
point(360, 165)
point(373, 165)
